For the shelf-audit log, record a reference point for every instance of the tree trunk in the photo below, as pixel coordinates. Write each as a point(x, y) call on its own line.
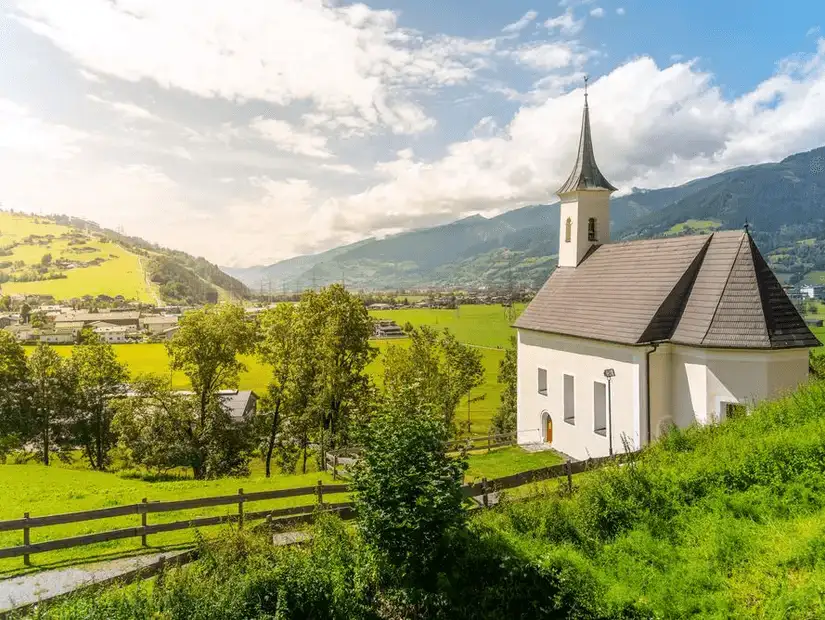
point(272, 432)
point(304, 466)
point(46, 443)
point(99, 445)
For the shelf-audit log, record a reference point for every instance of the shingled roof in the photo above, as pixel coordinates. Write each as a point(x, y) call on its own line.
point(586, 174)
point(704, 290)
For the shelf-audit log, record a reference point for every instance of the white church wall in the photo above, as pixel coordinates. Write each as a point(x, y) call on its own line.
point(586, 361)
point(578, 208)
point(705, 379)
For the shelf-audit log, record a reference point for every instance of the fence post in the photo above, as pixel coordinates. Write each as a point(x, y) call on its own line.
point(26, 540)
point(569, 467)
point(334, 466)
point(484, 497)
point(160, 569)
point(320, 492)
point(143, 521)
point(488, 441)
point(240, 509)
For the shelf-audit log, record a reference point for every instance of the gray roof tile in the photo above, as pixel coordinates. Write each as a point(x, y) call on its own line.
point(703, 290)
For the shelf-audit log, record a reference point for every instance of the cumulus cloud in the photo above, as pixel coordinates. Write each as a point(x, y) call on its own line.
point(126, 109)
point(347, 60)
point(23, 133)
point(287, 138)
point(652, 127)
point(524, 21)
point(597, 12)
point(566, 23)
point(620, 11)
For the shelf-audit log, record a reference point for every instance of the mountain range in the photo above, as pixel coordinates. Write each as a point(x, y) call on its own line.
point(783, 203)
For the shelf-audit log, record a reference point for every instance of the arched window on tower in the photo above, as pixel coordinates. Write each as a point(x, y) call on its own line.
point(591, 229)
point(568, 227)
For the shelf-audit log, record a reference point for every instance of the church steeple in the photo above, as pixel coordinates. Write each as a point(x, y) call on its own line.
point(586, 174)
point(585, 202)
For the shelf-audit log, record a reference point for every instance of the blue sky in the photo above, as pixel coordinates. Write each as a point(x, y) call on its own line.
point(255, 130)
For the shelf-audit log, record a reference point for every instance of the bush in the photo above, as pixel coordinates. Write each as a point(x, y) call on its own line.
point(408, 491)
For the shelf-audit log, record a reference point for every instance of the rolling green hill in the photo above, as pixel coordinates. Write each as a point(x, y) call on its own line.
point(69, 258)
point(784, 202)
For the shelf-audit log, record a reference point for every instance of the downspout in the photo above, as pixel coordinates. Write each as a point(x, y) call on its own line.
point(654, 345)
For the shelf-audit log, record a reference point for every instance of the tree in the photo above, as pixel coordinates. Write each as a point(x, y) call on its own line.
point(278, 347)
point(46, 260)
point(14, 390)
point(407, 490)
point(101, 379)
point(504, 420)
point(443, 369)
point(162, 429)
point(339, 326)
point(25, 312)
point(52, 391)
point(38, 319)
point(206, 349)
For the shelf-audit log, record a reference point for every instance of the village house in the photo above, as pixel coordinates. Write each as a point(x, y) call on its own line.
point(157, 324)
point(627, 339)
point(388, 329)
point(113, 334)
point(57, 336)
point(130, 317)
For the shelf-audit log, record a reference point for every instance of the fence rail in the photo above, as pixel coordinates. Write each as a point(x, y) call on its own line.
point(338, 462)
point(276, 516)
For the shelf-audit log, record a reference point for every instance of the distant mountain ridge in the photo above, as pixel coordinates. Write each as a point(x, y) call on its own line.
point(783, 202)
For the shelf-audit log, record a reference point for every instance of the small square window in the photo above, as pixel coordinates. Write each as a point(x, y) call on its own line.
point(542, 381)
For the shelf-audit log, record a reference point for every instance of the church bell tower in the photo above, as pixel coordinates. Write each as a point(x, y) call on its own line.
point(585, 202)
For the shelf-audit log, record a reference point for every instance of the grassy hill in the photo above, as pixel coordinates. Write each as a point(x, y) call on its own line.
point(69, 258)
point(784, 202)
point(723, 521)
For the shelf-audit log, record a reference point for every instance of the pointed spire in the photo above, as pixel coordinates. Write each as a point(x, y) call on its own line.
point(586, 174)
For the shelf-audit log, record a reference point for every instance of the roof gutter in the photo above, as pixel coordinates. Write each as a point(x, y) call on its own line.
point(655, 346)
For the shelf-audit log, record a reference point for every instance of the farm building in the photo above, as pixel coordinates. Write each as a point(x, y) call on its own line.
point(158, 324)
point(628, 339)
point(388, 329)
point(58, 336)
point(130, 317)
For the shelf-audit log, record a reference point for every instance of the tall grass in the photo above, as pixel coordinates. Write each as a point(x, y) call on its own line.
point(724, 521)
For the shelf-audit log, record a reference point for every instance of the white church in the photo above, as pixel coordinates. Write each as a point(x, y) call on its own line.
point(626, 339)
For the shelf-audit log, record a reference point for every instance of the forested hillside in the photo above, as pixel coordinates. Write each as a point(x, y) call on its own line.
point(783, 202)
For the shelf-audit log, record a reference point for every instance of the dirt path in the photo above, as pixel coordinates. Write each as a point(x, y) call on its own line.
point(37, 587)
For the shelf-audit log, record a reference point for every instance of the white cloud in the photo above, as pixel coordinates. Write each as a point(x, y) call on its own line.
point(620, 11)
point(348, 60)
point(550, 56)
point(89, 76)
point(597, 12)
point(287, 138)
point(812, 31)
point(128, 110)
point(22, 133)
point(652, 127)
point(524, 21)
point(340, 168)
point(565, 23)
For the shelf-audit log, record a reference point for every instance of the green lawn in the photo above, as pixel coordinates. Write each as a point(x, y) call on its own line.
point(696, 225)
point(485, 326)
point(59, 488)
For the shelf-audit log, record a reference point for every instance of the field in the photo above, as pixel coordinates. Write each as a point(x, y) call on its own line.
point(693, 225)
point(63, 488)
point(121, 273)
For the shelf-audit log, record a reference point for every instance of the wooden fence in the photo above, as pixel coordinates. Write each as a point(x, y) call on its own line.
point(143, 509)
point(481, 491)
point(339, 461)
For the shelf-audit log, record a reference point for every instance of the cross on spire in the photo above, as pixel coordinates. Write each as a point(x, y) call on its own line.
point(747, 226)
point(586, 79)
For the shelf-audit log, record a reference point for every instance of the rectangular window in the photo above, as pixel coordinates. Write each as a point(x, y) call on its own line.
point(542, 381)
point(569, 400)
point(600, 409)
